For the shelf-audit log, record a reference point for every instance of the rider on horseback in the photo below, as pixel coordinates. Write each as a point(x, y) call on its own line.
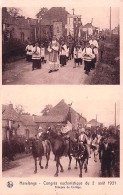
point(42, 138)
point(82, 140)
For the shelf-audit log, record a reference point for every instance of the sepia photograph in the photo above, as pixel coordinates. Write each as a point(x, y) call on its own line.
point(61, 136)
point(61, 107)
point(60, 45)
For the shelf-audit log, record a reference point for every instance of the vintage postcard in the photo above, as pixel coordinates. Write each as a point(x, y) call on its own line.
point(61, 101)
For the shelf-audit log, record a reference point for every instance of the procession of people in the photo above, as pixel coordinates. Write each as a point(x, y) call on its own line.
point(96, 142)
point(84, 53)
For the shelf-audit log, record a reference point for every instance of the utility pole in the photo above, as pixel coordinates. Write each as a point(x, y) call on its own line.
point(73, 10)
point(96, 123)
point(115, 117)
point(110, 23)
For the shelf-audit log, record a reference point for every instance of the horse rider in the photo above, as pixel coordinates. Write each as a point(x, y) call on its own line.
point(94, 146)
point(82, 139)
point(41, 138)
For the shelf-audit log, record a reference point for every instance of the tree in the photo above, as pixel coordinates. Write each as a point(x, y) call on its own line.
point(14, 12)
point(46, 110)
point(19, 109)
point(42, 12)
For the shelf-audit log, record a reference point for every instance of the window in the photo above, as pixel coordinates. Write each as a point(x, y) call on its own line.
point(57, 29)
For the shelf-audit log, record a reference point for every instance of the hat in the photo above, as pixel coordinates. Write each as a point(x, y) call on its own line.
point(40, 128)
point(82, 130)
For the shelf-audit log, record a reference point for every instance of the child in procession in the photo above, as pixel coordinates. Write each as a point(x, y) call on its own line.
point(29, 50)
point(77, 56)
point(62, 53)
point(36, 57)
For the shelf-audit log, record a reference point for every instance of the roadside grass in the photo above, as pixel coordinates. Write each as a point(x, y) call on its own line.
point(108, 71)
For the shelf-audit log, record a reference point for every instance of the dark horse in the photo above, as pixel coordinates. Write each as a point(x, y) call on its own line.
point(61, 147)
point(78, 150)
point(38, 152)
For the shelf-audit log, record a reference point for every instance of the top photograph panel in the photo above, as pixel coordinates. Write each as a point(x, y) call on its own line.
point(60, 46)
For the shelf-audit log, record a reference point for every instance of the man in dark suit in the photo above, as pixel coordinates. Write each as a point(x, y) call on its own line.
point(105, 156)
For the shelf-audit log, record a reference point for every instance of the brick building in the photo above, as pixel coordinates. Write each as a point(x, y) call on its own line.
point(17, 28)
point(10, 122)
point(14, 124)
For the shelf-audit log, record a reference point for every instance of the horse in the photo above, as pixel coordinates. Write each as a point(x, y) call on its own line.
point(59, 147)
point(38, 152)
point(78, 151)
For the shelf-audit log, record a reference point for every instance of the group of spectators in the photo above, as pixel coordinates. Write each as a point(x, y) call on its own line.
point(86, 52)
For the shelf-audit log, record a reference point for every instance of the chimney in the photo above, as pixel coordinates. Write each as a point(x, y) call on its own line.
point(11, 106)
point(33, 117)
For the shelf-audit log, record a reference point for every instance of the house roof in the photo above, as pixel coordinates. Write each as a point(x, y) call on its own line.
point(22, 23)
point(60, 109)
point(27, 120)
point(8, 113)
point(88, 25)
point(94, 121)
point(50, 119)
point(57, 13)
point(46, 22)
point(59, 113)
point(32, 21)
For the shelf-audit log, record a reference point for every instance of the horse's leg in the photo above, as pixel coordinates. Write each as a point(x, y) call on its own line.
point(69, 166)
point(62, 170)
point(40, 158)
point(47, 160)
point(57, 166)
point(47, 156)
point(85, 164)
point(35, 159)
point(95, 155)
point(80, 167)
point(76, 165)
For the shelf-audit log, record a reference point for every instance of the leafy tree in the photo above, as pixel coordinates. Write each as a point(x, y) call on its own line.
point(19, 109)
point(14, 11)
point(42, 12)
point(46, 110)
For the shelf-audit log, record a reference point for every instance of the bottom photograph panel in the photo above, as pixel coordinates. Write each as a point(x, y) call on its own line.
point(60, 135)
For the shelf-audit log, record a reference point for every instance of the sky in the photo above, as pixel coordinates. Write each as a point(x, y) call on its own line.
point(88, 101)
point(100, 15)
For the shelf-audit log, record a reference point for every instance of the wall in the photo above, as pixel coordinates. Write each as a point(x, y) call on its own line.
point(22, 130)
point(18, 31)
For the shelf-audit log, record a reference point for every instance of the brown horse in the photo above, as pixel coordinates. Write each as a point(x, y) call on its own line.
point(60, 148)
point(38, 152)
point(78, 151)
